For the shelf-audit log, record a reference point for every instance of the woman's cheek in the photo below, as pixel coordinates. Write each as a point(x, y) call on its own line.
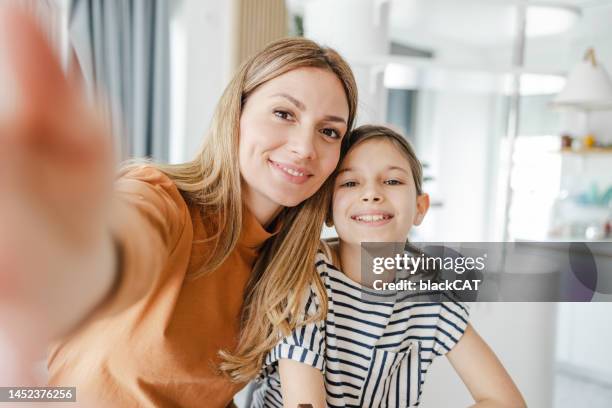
point(329, 159)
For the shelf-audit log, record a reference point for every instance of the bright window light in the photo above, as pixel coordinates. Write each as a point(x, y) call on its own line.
point(547, 20)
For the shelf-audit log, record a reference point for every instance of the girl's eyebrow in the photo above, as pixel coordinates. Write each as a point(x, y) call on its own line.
point(389, 168)
point(344, 170)
point(397, 168)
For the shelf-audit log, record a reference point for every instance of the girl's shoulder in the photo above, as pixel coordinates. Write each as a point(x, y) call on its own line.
point(326, 260)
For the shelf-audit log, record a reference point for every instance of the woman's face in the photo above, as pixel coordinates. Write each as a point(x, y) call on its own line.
point(375, 197)
point(291, 129)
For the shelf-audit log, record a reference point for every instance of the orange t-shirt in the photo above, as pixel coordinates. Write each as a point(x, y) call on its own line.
point(154, 342)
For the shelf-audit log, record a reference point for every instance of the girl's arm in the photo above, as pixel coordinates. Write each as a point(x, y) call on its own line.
point(483, 373)
point(301, 360)
point(301, 384)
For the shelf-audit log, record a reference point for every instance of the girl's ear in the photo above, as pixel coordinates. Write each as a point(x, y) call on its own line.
point(422, 207)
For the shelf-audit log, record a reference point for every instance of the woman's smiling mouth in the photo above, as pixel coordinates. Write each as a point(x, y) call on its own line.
point(293, 174)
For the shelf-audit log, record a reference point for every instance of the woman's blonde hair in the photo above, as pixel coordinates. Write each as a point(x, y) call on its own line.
point(284, 269)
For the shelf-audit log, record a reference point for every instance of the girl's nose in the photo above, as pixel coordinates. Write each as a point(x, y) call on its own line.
point(371, 196)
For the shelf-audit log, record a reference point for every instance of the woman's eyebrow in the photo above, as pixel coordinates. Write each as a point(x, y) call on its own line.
point(332, 118)
point(300, 105)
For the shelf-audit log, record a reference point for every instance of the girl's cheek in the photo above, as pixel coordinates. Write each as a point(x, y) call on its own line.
point(336, 201)
point(342, 200)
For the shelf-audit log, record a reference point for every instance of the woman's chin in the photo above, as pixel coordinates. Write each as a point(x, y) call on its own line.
point(287, 200)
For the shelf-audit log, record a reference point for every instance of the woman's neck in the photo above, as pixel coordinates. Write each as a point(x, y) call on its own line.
point(263, 209)
point(350, 260)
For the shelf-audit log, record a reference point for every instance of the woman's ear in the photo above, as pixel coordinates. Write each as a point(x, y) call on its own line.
point(422, 207)
point(329, 222)
point(329, 217)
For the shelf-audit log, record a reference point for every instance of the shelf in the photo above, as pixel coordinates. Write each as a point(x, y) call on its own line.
point(549, 239)
point(587, 151)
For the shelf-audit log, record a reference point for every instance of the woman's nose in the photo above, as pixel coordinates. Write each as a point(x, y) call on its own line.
point(302, 145)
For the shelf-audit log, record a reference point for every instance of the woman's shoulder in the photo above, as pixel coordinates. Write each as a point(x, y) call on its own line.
point(145, 172)
point(144, 190)
point(151, 183)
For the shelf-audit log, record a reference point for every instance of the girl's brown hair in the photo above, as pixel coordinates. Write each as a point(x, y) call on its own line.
point(212, 181)
point(368, 132)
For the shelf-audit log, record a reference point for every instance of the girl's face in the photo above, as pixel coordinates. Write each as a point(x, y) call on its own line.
point(375, 197)
point(291, 129)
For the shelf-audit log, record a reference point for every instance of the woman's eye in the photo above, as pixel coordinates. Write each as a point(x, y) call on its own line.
point(333, 133)
point(393, 182)
point(282, 114)
point(348, 184)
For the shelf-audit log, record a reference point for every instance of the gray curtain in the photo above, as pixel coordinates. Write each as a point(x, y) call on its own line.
point(122, 47)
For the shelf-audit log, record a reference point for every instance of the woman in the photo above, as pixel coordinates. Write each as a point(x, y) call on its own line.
point(174, 285)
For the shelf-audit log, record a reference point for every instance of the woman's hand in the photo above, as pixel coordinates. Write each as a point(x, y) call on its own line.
point(57, 260)
point(483, 373)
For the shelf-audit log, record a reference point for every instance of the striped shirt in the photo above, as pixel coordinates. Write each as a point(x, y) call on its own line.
point(372, 354)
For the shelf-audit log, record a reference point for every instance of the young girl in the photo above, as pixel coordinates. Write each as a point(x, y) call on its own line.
point(178, 275)
point(368, 353)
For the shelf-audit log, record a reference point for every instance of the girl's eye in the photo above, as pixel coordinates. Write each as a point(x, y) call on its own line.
point(332, 133)
point(393, 182)
point(282, 114)
point(348, 184)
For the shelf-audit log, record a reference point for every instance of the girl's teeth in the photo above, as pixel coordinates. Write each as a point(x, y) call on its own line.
point(292, 172)
point(370, 218)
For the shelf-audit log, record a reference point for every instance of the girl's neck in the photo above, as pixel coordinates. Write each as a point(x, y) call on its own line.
point(350, 260)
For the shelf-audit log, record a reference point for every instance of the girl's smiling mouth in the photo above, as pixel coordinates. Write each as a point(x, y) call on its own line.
point(372, 218)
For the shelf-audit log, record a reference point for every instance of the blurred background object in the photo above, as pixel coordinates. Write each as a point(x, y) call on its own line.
point(50, 17)
point(257, 24)
point(588, 86)
point(470, 83)
point(121, 49)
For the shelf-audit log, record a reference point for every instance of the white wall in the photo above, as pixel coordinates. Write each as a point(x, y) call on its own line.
point(355, 28)
point(585, 336)
point(201, 38)
point(454, 139)
point(522, 337)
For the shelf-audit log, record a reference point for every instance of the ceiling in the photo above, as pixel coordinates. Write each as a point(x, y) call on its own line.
point(578, 3)
point(479, 23)
point(431, 24)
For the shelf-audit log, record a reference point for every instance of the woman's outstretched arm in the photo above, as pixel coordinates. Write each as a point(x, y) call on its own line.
point(73, 244)
point(483, 373)
point(57, 256)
